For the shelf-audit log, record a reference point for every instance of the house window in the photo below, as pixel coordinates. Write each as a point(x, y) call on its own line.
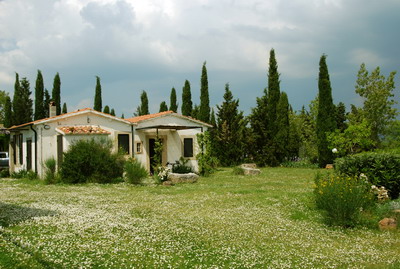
point(188, 147)
point(139, 147)
point(123, 143)
point(21, 159)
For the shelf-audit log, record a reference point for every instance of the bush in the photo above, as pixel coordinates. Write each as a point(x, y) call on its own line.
point(91, 161)
point(24, 174)
point(382, 169)
point(134, 172)
point(4, 173)
point(50, 172)
point(238, 170)
point(342, 198)
point(182, 167)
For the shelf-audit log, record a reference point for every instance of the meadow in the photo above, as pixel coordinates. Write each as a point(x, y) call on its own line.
point(222, 221)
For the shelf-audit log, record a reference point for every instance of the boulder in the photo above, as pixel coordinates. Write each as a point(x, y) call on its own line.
point(167, 183)
point(388, 224)
point(329, 166)
point(182, 178)
point(250, 169)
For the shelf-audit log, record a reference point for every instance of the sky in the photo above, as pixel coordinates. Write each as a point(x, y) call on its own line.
point(154, 45)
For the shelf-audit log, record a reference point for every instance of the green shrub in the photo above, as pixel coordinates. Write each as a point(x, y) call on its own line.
point(134, 172)
point(4, 173)
point(50, 172)
point(382, 169)
point(300, 164)
point(19, 174)
point(91, 161)
point(342, 198)
point(182, 167)
point(237, 170)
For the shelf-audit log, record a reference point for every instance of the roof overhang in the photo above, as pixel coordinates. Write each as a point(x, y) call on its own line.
point(170, 127)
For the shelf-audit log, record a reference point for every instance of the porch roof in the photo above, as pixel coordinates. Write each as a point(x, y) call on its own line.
point(170, 127)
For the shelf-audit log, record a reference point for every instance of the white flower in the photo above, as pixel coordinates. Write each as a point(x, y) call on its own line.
point(334, 150)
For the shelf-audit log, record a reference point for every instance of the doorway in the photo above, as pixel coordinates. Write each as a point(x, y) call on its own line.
point(28, 155)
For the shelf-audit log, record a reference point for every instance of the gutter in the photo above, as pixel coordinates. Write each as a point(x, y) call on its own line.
point(35, 147)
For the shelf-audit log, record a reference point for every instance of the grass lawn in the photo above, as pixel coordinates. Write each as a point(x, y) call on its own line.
point(223, 221)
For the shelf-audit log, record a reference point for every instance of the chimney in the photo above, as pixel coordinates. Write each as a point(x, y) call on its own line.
point(52, 109)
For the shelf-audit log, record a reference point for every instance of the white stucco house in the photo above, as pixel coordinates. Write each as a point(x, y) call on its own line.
point(31, 144)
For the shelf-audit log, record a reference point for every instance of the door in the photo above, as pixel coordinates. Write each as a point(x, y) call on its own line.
point(28, 155)
point(152, 143)
point(59, 150)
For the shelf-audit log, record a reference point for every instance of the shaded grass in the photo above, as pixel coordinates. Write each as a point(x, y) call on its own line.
point(224, 220)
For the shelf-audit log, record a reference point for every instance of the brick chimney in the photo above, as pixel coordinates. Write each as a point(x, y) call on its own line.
point(52, 109)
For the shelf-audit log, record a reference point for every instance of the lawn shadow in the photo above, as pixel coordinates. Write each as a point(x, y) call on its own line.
point(13, 214)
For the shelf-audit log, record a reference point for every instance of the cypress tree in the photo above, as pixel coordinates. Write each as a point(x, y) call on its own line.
point(282, 124)
point(106, 109)
point(341, 117)
point(56, 93)
point(163, 106)
point(230, 131)
point(15, 119)
point(187, 105)
point(97, 97)
point(173, 102)
point(273, 95)
point(195, 112)
point(39, 97)
point(326, 121)
point(204, 112)
point(26, 107)
point(8, 112)
point(64, 108)
point(46, 103)
point(122, 116)
point(112, 113)
point(143, 109)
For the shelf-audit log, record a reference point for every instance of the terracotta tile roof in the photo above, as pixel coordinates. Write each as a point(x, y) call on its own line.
point(82, 130)
point(65, 116)
point(149, 116)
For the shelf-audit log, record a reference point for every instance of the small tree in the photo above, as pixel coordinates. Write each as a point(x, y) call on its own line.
point(173, 105)
point(39, 97)
point(56, 93)
point(112, 113)
point(163, 106)
point(143, 109)
point(204, 112)
point(207, 163)
point(106, 110)
point(97, 97)
point(64, 108)
point(187, 105)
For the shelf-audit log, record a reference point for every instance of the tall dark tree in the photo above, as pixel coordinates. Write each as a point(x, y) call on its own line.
point(259, 122)
point(340, 116)
point(56, 93)
point(97, 97)
point(122, 116)
point(282, 124)
point(230, 131)
point(326, 121)
point(273, 94)
point(187, 105)
point(64, 108)
point(112, 113)
point(22, 102)
point(163, 106)
point(204, 113)
point(173, 105)
point(46, 103)
point(195, 112)
point(106, 109)
point(7, 112)
point(39, 97)
point(143, 109)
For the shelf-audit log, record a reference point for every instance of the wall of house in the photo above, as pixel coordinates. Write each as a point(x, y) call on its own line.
point(173, 149)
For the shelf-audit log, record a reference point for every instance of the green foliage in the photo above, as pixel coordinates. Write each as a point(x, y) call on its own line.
point(46, 103)
point(3, 105)
point(392, 138)
point(56, 94)
point(4, 173)
point(187, 104)
point(173, 105)
point(204, 112)
point(134, 171)
point(7, 120)
point(282, 124)
point(381, 169)
point(91, 161)
point(326, 121)
point(342, 198)
point(22, 103)
point(97, 97)
point(39, 97)
point(64, 108)
point(378, 96)
point(112, 113)
point(230, 132)
point(182, 167)
point(158, 149)
point(238, 171)
point(143, 109)
point(274, 95)
point(341, 117)
point(163, 106)
point(106, 110)
point(355, 139)
point(50, 176)
point(24, 174)
point(207, 163)
point(300, 164)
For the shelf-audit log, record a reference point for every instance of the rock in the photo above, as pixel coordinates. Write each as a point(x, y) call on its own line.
point(182, 178)
point(167, 183)
point(388, 224)
point(249, 165)
point(329, 166)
